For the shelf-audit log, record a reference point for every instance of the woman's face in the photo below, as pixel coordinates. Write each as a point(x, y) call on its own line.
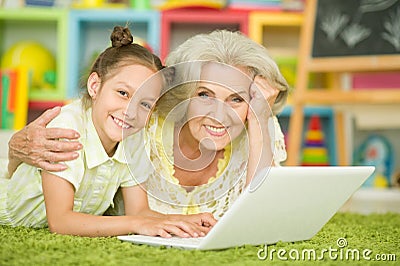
point(120, 108)
point(218, 109)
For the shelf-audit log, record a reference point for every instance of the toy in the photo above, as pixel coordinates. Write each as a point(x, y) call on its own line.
point(376, 151)
point(314, 152)
point(142, 42)
point(34, 57)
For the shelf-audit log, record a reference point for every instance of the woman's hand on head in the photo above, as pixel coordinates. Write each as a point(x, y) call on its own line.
point(261, 93)
point(39, 146)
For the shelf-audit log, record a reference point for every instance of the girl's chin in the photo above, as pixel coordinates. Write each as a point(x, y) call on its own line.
point(128, 132)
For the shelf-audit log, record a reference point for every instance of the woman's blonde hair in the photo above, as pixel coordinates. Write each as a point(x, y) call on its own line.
point(230, 48)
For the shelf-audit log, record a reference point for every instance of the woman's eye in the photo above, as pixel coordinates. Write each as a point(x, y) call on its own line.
point(203, 94)
point(146, 105)
point(123, 93)
point(237, 99)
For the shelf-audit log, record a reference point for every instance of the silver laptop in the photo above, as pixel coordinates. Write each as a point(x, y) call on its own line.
point(284, 204)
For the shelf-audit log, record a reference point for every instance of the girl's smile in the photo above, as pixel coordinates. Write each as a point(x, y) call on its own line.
point(122, 103)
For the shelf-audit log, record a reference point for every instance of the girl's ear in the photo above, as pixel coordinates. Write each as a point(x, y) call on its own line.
point(93, 84)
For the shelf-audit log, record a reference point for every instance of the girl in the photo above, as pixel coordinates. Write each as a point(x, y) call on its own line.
point(71, 202)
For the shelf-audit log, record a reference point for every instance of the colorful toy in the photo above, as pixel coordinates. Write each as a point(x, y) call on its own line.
point(376, 151)
point(142, 42)
point(314, 152)
point(34, 57)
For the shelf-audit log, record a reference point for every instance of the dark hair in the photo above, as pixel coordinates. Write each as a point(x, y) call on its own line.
point(122, 52)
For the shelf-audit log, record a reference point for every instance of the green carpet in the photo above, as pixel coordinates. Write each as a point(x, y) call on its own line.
point(378, 233)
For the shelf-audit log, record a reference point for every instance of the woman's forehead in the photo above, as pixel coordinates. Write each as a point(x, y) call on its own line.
point(235, 78)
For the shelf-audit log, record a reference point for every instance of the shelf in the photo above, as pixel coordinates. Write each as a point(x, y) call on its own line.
point(89, 33)
point(370, 96)
point(180, 24)
point(327, 117)
point(45, 26)
point(43, 105)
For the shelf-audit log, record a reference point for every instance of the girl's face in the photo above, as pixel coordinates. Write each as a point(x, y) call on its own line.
point(119, 106)
point(218, 112)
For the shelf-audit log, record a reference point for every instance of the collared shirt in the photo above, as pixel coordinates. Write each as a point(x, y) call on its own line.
point(94, 175)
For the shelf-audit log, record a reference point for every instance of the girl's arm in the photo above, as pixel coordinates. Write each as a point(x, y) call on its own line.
point(260, 152)
point(59, 200)
point(136, 202)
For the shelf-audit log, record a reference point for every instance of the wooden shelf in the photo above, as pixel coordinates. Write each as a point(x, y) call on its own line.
point(339, 93)
point(370, 96)
point(359, 63)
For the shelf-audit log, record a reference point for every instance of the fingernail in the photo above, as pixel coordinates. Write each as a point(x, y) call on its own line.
point(196, 235)
point(76, 135)
point(202, 234)
point(186, 235)
point(75, 155)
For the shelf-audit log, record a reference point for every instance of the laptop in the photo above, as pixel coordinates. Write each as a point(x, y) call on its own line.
point(285, 204)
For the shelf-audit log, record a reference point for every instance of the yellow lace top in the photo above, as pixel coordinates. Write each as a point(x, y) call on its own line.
point(165, 193)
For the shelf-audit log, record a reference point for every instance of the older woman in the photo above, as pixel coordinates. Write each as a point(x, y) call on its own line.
point(205, 155)
point(212, 131)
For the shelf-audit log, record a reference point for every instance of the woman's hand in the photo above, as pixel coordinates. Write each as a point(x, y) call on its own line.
point(263, 97)
point(39, 146)
point(261, 93)
point(177, 225)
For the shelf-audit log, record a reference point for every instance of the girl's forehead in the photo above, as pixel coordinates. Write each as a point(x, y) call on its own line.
point(234, 78)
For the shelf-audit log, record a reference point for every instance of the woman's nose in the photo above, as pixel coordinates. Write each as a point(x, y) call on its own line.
point(221, 110)
point(130, 112)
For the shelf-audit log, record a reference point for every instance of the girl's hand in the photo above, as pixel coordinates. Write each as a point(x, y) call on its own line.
point(261, 93)
point(167, 227)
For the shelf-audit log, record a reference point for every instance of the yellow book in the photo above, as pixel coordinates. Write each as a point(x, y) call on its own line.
point(21, 104)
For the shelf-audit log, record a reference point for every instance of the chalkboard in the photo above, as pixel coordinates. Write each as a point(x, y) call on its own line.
point(356, 28)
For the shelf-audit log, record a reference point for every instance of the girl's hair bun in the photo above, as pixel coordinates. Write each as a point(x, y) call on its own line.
point(121, 36)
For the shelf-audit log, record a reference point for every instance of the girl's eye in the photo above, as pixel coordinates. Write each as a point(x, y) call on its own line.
point(123, 93)
point(146, 105)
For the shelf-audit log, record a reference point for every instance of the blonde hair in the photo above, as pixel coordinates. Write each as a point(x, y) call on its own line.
point(230, 48)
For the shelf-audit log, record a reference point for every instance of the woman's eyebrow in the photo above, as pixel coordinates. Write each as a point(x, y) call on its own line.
point(205, 88)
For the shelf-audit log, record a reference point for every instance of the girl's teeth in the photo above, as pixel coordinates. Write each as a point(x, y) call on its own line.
point(120, 123)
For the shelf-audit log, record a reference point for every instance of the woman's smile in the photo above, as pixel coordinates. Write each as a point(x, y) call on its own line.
point(216, 131)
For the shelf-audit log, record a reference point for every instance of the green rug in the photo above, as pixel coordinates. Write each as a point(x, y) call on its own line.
point(346, 239)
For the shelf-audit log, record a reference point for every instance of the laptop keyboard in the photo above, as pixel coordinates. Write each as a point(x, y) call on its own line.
point(173, 241)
